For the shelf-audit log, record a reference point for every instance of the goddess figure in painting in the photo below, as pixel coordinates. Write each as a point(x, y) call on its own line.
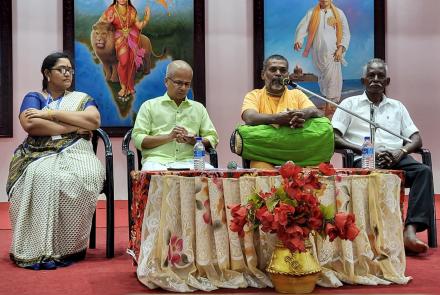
point(123, 16)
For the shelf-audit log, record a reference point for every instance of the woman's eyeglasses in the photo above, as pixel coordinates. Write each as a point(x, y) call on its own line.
point(64, 70)
point(178, 83)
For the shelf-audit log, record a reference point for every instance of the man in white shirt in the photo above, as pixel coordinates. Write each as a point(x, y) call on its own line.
point(328, 37)
point(391, 152)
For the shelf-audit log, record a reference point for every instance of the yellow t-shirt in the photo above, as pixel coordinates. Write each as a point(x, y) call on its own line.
point(259, 101)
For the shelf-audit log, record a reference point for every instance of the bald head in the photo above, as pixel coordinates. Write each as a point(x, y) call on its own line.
point(178, 66)
point(178, 79)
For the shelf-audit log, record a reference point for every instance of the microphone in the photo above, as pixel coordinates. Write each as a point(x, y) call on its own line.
point(287, 81)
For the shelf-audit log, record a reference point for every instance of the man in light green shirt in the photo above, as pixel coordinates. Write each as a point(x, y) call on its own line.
point(166, 126)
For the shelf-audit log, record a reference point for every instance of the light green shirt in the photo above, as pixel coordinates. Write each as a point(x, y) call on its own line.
point(158, 116)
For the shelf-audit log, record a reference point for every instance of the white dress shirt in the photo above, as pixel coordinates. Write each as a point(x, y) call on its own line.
point(390, 114)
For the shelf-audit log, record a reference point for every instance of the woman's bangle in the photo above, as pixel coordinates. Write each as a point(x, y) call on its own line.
point(404, 150)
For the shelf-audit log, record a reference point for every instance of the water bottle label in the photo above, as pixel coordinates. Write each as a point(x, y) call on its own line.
point(199, 154)
point(368, 151)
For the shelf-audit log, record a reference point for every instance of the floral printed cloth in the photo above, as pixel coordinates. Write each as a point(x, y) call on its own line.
point(182, 241)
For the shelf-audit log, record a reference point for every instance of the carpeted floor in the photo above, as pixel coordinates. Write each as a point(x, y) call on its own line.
point(98, 275)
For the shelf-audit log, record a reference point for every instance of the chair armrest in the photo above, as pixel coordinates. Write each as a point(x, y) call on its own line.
point(126, 144)
point(127, 152)
point(213, 158)
point(426, 156)
point(107, 143)
point(347, 157)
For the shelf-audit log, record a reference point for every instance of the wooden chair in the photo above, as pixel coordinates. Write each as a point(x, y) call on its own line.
point(108, 190)
point(213, 160)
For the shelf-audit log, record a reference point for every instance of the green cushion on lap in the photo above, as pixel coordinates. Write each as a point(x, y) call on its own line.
point(307, 146)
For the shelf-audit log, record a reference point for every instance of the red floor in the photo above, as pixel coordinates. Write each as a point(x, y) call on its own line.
point(98, 275)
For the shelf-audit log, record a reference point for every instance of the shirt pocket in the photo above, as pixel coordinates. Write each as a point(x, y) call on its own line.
point(394, 124)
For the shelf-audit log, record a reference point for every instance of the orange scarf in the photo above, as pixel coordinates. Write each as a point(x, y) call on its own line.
point(314, 23)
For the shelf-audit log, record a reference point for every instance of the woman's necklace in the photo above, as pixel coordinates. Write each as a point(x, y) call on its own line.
point(124, 20)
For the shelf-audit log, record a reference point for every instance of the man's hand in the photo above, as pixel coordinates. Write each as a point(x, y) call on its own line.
point(387, 159)
point(297, 46)
point(298, 119)
point(178, 133)
point(189, 139)
point(284, 118)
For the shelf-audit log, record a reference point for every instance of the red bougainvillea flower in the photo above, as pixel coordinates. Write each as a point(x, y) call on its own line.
point(331, 231)
point(281, 213)
point(289, 169)
point(269, 194)
point(345, 223)
point(315, 221)
point(238, 221)
point(327, 169)
point(295, 243)
point(294, 192)
point(207, 215)
point(175, 248)
point(266, 219)
point(295, 212)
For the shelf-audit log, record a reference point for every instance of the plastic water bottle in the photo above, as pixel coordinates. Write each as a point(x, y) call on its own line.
point(199, 154)
point(368, 155)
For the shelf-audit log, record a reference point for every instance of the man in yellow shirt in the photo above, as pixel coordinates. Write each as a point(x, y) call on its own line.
point(166, 126)
point(274, 103)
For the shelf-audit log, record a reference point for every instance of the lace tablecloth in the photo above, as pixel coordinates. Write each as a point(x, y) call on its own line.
point(182, 241)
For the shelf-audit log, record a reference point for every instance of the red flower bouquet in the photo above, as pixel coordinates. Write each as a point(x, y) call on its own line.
point(292, 210)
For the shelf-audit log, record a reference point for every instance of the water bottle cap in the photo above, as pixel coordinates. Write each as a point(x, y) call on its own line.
point(366, 138)
point(198, 138)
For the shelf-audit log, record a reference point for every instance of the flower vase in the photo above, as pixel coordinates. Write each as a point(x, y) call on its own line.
point(293, 272)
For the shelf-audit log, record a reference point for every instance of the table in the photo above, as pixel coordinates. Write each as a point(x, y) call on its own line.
point(182, 241)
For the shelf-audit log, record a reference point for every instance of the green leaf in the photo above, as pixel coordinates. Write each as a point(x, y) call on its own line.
point(328, 211)
point(281, 193)
point(272, 202)
point(290, 202)
point(253, 198)
point(285, 198)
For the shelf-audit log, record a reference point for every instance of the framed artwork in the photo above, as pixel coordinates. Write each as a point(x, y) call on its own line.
point(121, 61)
point(6, 68)
point(279, 24)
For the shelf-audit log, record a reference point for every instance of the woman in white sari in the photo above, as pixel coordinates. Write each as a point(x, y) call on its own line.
point(54, 176)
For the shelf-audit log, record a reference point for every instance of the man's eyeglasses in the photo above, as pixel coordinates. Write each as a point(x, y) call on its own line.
point(179, 83)
point(64, 70)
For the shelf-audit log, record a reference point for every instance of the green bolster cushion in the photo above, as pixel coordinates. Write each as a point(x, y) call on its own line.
point(307, 146)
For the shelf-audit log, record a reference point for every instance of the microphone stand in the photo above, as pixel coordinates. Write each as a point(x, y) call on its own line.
point(373, 125)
